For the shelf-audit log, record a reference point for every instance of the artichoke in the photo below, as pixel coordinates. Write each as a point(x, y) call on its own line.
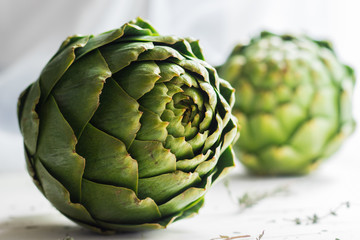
point(127, 130)
point(293, 102)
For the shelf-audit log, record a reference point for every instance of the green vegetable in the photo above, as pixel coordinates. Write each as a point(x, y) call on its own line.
point(293, 102)
point(127, 130)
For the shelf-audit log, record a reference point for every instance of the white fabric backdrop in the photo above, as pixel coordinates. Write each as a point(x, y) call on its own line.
point(31, 32)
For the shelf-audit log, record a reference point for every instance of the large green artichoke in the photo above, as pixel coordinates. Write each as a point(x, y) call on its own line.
point(127, 130)
point(293, 102)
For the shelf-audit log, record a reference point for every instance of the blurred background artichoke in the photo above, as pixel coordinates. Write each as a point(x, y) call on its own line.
point(293, 101)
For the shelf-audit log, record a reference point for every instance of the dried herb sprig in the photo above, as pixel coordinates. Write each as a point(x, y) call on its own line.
point(248, 200)
point(315, 218)
point(228, 190)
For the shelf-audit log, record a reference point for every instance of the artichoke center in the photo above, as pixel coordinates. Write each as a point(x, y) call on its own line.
point(189, 114)
point(188, 105)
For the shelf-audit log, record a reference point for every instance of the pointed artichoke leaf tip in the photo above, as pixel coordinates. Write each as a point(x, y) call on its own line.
point(196, 48)
point(140, 22)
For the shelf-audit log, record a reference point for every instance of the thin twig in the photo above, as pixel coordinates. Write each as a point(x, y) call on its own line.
point(261, 235)
point(223, 237)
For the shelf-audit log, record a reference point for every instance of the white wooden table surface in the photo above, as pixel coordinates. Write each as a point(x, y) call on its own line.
point(26, 214)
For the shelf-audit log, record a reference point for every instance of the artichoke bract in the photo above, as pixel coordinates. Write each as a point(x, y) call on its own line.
point(127, 130)
point(293, 102)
